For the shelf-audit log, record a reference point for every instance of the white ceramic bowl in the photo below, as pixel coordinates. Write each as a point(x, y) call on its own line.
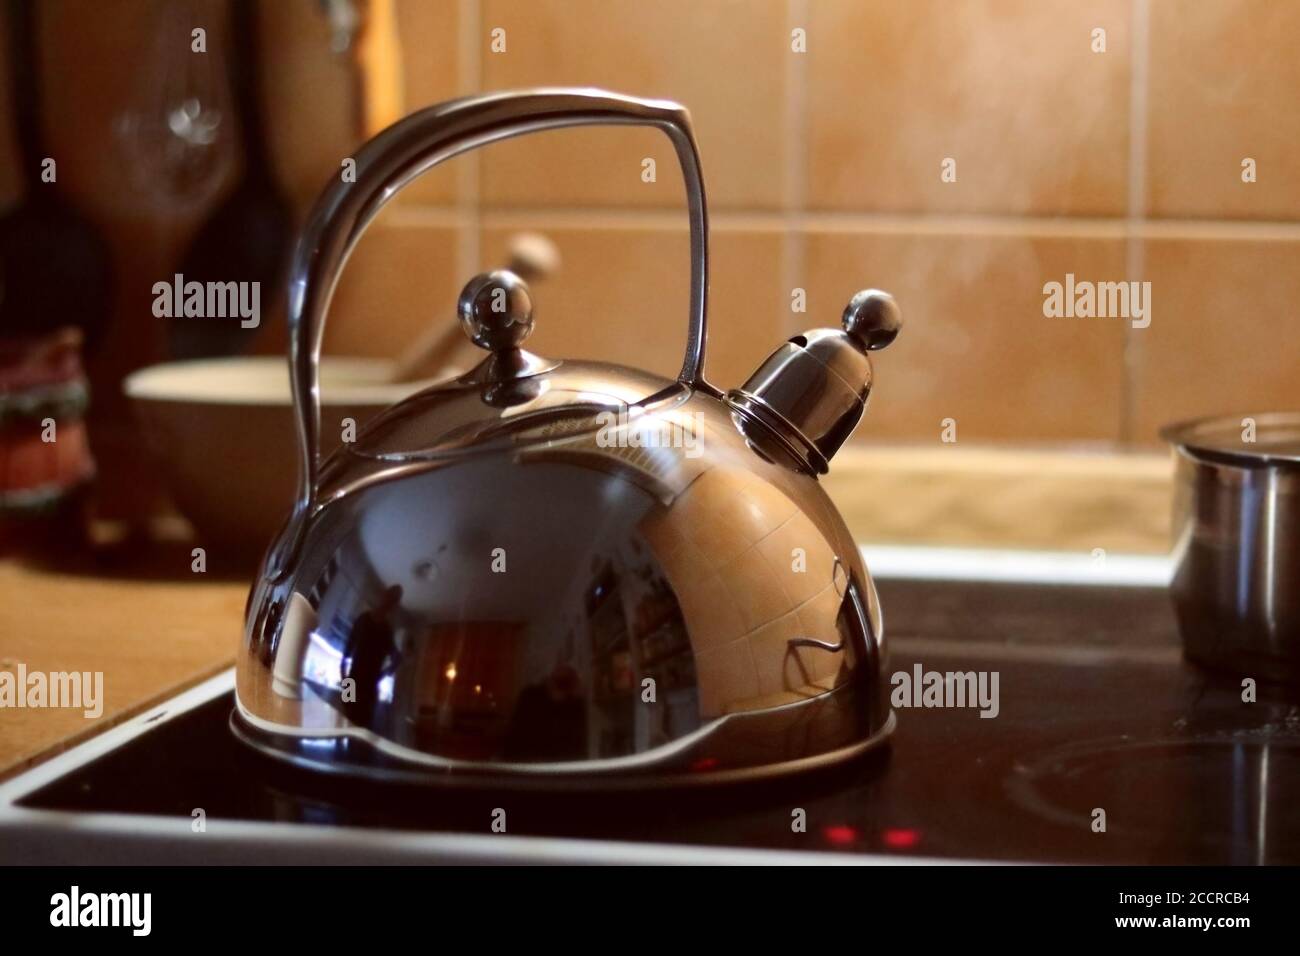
point(222, 431)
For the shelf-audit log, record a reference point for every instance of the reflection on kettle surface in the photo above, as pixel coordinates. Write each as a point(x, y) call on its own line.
point(552, 569)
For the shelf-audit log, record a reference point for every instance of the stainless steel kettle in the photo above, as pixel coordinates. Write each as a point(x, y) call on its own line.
point(557, 572)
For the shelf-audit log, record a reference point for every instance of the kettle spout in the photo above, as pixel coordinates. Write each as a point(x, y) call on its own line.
point(810, 393)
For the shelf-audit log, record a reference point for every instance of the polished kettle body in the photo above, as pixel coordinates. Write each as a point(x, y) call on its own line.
point(559, 573)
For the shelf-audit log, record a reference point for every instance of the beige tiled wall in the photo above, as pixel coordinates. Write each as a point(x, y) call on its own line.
point(823, 173)
point(1224, 84)
point(1037, 123)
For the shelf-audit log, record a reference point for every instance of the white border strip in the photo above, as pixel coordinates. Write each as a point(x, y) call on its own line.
point(1018, 567)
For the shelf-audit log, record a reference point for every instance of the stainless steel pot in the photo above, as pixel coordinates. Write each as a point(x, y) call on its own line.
point(549, 571)
point(1236, 585)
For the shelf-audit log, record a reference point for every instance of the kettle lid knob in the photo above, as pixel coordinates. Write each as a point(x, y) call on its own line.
point(496, 310)
point(872, 319)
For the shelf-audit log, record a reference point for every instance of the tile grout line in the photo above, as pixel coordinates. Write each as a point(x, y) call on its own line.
point(1135, 231)
point(469, 80)
point(795, 119)
point(567, 216)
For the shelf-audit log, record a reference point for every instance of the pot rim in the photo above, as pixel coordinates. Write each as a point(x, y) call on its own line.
point(262, 381)
point(1217, 438)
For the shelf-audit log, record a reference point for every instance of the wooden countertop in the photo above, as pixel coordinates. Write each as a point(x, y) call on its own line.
point(1019, 499)
point(150, 636)
point(153, 627)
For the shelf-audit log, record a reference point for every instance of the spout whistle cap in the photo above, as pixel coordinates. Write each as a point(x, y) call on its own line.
point(811, 391)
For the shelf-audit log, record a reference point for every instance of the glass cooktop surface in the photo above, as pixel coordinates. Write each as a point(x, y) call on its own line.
point(1100, 745)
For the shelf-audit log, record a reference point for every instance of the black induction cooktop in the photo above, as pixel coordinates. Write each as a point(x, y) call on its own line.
point(1101, 745)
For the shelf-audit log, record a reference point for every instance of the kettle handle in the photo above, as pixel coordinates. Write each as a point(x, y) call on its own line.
point(413, 145)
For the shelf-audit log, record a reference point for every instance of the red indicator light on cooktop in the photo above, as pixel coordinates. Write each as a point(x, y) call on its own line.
point(840, 835)
point(900, 839)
